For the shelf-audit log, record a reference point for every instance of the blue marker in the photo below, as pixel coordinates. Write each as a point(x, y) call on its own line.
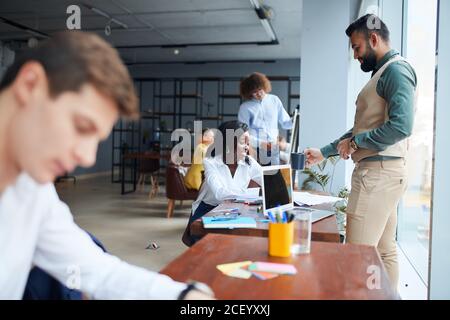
point(284, 217)
point(271, 216)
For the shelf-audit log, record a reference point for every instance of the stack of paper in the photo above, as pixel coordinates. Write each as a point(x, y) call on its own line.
point(309, 199)
point(251, 194)
point(260, 270)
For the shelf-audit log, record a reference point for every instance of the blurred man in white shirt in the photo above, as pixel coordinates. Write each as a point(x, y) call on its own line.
point(57, 102)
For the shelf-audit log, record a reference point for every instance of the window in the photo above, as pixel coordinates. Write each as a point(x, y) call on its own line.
point(419, 34)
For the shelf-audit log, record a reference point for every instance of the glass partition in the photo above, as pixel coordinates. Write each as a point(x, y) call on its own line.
point(414, 213)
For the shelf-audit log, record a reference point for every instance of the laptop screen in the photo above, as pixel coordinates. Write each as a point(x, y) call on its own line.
point(277, 189)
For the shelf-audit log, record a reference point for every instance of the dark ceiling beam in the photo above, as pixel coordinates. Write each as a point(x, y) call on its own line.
point(198, 62)
point(184, 45)
point(25, 28)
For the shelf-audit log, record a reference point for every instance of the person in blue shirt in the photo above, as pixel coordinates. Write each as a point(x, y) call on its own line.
point(262, 112)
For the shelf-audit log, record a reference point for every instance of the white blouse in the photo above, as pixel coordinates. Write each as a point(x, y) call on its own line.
point(37, 228)
point(219, 185)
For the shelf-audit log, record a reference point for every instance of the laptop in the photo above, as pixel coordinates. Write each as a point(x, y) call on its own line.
point(277, 192)
point(277, 188)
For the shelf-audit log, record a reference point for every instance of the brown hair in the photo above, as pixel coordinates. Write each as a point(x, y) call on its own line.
point(254, 82)
point(74, 58)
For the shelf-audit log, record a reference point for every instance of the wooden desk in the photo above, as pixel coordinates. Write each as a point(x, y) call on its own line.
point(323, 230)
point(331, 271)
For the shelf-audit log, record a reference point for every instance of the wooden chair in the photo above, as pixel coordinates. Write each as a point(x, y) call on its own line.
point(149, 167)
point(176, 189)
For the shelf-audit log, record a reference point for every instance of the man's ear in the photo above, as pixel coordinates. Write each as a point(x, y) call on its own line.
point(374, 40)
point(30, 83)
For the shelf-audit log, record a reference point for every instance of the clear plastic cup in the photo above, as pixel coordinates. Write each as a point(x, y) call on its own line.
point(302, 233)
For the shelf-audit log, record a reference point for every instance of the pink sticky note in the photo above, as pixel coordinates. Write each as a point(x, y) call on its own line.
point(280, 268)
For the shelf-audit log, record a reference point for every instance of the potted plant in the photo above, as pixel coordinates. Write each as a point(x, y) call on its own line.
point(341, 209)
point(317, 176)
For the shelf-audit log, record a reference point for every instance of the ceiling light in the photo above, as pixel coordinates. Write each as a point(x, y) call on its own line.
point(176, 52)
point(268, 28)
point(270, 13)
point(32, 42)
point(107, 16)
point(108, 29)
point(255, 3)
point(264, 14)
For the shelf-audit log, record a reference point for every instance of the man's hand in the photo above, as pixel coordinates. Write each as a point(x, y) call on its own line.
point(344, 148)
point(267, 146)
point(313, 156)
point(282, 145)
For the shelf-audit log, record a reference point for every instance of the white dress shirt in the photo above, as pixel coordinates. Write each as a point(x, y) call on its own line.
point(286, 154)
point(263, 118)
point(219, 185)
point(37, 228)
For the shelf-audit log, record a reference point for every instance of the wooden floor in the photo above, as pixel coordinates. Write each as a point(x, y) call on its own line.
point(127, 224)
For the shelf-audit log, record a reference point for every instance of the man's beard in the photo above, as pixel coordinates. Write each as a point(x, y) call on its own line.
point(369, 61)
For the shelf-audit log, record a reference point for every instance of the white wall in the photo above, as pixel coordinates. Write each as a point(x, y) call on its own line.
point(390, 12)
point(324, 75)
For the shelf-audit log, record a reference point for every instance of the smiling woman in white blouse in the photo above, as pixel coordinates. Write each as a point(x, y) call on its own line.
point(228, 172)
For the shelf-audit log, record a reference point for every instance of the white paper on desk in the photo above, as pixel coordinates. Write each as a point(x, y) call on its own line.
point(250, 194)
point(302, 198)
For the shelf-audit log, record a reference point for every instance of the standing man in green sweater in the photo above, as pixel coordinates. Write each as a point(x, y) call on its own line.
point(378, 142)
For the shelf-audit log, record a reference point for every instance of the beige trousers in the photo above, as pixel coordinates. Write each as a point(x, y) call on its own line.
point(377, 187)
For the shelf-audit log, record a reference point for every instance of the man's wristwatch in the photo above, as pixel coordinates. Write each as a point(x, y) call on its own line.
point(194, 285)
point(353, 144)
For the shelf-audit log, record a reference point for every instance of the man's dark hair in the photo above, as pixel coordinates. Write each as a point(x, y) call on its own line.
point(367, 24)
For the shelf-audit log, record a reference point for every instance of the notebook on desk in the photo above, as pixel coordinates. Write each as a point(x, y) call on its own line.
point(239, 222)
